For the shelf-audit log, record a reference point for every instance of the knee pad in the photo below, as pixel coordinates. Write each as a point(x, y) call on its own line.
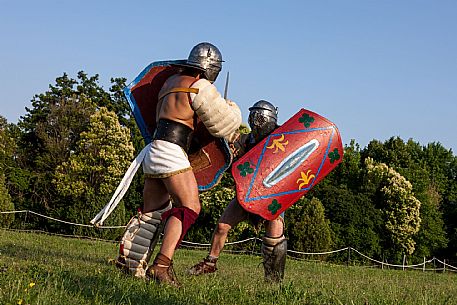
point(274, 251)
point(138, 242)
point(183, 214)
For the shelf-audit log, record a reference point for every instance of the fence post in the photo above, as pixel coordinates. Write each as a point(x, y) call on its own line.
point(423, 267)
point(444, 265)
point(349, 256)
point(404, 259)
point(253, 245)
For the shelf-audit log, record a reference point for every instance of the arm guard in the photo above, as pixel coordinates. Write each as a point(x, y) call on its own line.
point(221, 117)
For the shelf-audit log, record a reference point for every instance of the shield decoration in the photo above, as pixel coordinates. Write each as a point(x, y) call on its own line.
point(209, 156)
point(287, 164)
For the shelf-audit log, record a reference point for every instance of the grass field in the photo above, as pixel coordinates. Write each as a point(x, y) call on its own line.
point(43, 269)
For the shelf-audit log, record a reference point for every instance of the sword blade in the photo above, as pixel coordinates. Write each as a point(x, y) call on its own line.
point(226, 85)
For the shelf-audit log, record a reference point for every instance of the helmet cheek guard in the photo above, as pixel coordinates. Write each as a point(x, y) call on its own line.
point(212, 72)
point(207, 58)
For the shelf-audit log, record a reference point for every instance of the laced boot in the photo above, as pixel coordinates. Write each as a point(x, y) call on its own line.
point(162, 271)
point(207, 265)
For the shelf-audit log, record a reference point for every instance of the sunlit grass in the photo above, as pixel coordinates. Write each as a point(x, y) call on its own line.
point(42, 269)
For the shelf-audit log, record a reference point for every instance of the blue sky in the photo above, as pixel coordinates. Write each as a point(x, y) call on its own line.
point(375, 68)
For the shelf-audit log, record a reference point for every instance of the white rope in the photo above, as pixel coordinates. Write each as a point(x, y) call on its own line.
point(227, 244)
point(62, 221)
point(392, 265)
point(11, 212)
point(445, 264)
point(62, 235)
point(190, 244)
point(318, 253)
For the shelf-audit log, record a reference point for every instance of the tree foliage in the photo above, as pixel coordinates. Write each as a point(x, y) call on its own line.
point(47, 136)
point(7, 149)
point(354, 219)
point(93, 170)
point(68, 152)
point(307, 228)
point(419, 165)
point(6, 204)
point(400, 207)
point(7, 145)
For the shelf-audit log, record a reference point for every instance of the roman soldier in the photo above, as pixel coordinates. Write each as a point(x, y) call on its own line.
point(171, 201)
point(262, 120)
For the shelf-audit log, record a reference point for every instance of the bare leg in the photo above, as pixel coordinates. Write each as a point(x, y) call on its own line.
point(155, 195)
point(274, 228)
point(232, 215)
point(183, 188)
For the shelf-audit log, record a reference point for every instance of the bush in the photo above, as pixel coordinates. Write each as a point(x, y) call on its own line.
point(307, 228)
point(6, 204)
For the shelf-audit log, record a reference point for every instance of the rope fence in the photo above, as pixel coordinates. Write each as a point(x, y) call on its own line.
point(444, 266)
point(62, 221)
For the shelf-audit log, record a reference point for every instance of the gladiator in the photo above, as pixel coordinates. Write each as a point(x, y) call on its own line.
point(170, 195)
point(262, 121)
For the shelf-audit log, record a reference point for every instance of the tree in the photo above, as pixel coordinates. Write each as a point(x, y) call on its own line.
point(431, 238)
point(428, 171)
point(5, 204)
point(48, 135)
point(354, 219)
point(92, 172)
point(400, 208)
point(56, 139)
point(7, 145)
point(7, 148)
point(307, 228)
point(449, 210)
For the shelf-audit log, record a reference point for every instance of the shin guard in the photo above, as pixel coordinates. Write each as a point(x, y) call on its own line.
point(274, 252)
point(138, 242)
point(185, 215)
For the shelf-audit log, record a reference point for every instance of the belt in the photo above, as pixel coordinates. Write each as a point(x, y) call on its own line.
point(174, 132)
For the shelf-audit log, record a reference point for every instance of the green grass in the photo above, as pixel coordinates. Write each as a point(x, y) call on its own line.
point(75, 271)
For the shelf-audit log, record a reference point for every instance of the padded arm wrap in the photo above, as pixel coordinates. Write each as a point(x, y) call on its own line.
point(221, 117)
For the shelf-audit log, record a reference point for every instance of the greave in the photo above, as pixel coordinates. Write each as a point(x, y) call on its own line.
point(274, 251)
point(138, 242)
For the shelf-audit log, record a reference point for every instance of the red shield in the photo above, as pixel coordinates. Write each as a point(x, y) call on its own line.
point(209, 156)
point(287, 164)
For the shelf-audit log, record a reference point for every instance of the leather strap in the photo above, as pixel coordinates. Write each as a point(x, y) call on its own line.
point(179, 89)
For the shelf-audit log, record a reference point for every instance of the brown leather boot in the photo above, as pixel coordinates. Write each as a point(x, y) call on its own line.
point(207, 265)
point(163, 274)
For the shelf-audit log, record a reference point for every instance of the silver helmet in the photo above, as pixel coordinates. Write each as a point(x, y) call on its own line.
point(263, 117)
point(206, 57)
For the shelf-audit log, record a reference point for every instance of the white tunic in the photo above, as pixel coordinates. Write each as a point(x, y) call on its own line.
point(164, 159)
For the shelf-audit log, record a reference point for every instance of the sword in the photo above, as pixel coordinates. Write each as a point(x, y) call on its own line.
point(226, 85)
